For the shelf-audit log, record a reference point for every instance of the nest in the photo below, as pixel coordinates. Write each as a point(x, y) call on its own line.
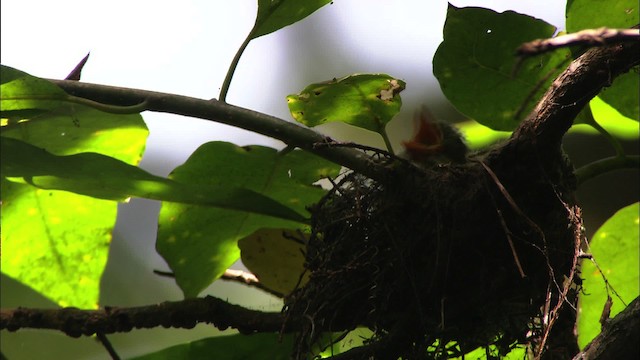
point(437, 266)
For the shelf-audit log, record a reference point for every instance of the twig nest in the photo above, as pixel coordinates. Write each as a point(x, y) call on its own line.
point(447, 263)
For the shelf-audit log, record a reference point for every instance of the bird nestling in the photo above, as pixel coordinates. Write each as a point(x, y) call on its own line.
point(434, 142)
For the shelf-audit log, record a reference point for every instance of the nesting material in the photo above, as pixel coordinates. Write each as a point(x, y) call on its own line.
point(442, 263)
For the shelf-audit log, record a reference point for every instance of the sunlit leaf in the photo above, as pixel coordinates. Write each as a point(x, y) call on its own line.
point(276, 14)
point(230, 347)
point(57, 242)
point(368, 101)
point(476, 65)
point(615, 248)
point(276, 257)
point(200, 243)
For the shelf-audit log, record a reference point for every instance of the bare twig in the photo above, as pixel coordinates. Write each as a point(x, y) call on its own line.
point(590, 37)
point(249, 279)
point(240, 276)
point(107, 345)
point(177, 314)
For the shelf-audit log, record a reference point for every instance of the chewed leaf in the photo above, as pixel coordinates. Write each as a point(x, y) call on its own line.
point(276, 14)
point(276, 257)
point(368, 101)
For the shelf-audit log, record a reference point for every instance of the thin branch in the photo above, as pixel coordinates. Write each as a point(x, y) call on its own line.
point(249, 279)
point(290, 133)
point(606, 165)
point(239, 276)
point(178, 314)
point(590, 37)
point(107, 345)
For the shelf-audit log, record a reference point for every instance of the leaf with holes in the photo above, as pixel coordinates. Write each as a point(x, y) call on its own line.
point(368, 101)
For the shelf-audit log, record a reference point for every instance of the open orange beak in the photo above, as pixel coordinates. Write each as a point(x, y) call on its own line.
point(427, 139)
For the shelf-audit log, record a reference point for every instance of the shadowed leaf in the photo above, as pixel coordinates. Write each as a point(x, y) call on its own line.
point(276, 257)
point(476, 61)
point(230, 347)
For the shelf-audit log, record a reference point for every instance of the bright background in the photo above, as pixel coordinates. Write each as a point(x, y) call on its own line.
point(185, 47)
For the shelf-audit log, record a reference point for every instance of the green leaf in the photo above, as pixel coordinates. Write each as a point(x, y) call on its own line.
point(276, 257)
point(104, 177)
point(615, 249)
point(592, 14)
point(476, 61)
point(57, 242)
point(231, 347)
point(368, 101)
point(623, 95)
point(200, 243)
point(21, 91)
point(276, 14)
point(614, 122)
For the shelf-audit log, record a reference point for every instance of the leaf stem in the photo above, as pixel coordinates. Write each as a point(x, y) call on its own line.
point(232, 69)
point(606, 165)
point(387, 142)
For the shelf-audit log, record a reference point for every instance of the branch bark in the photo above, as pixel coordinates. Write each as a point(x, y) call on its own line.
point(591, 37)
point(618, 339)
point(178, 314)
point(571, 92)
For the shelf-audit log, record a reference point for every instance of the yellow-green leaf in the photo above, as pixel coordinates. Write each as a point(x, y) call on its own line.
point(276, 257)
point(368, 101)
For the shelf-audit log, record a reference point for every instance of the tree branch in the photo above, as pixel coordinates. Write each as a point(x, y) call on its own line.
point(571, 91)
point(619, 337)
point(178, 314)
point(288, 132)
point(590, 37)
